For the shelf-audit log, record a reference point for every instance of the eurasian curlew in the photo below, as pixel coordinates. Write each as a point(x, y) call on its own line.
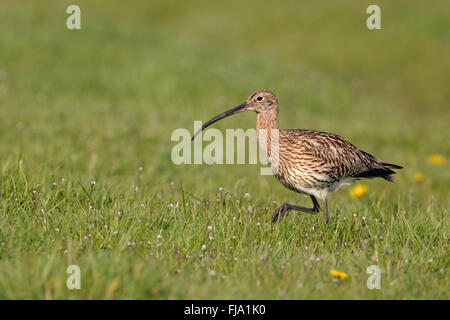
point(306, 161)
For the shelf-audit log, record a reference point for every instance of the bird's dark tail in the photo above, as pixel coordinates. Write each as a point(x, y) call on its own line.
point(384, 172)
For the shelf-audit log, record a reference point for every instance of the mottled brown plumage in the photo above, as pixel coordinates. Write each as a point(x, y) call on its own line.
point(307, 161)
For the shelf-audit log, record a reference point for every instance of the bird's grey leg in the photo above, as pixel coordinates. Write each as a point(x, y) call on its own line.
point(283, 210)
point(326, 217)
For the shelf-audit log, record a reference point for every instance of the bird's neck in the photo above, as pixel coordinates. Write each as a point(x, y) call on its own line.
point(267, 120)
point(267, 128)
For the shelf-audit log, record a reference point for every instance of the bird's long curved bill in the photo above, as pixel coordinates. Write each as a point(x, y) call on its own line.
point(228, 113)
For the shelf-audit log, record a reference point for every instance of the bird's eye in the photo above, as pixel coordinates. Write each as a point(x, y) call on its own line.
point(259, 98)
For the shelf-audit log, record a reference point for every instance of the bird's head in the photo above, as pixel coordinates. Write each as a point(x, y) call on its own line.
point(260, 101)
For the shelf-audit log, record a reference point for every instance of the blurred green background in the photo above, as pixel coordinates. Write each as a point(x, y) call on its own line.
point(115, 90)
point(98, 103)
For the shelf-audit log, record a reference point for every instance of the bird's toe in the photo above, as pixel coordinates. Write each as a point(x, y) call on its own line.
point(275, 216)
point(284, 213)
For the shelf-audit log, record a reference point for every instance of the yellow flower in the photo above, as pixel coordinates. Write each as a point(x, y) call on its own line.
point(436, 159)
point(419, 177)
point(339, 274)
point(358, 191)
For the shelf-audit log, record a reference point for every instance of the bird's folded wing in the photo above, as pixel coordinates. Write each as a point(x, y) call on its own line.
point(327, 153)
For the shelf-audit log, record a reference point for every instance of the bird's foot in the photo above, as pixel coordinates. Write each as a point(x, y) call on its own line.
point(281, 212)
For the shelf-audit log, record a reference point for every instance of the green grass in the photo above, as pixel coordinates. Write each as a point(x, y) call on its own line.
point(98, 103)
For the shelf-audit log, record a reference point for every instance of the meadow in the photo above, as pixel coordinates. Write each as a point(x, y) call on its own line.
point(87, 179)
